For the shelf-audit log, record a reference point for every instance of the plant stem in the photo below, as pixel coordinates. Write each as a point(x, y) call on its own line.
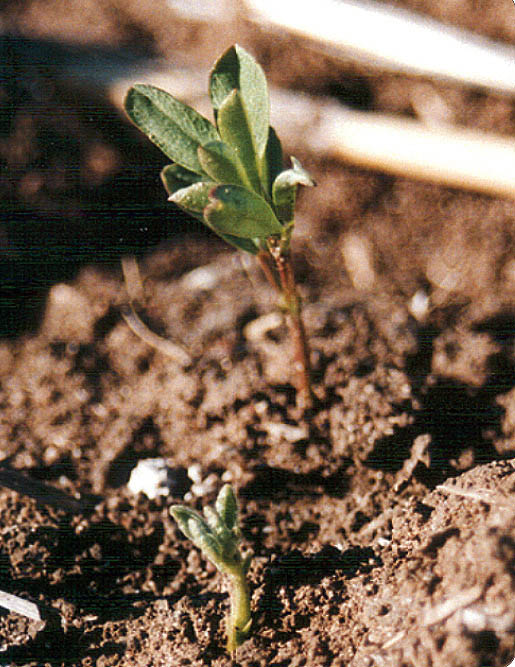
point(292, 305)
point(263, 258)
point(239, 620)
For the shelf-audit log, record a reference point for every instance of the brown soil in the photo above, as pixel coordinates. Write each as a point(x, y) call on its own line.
point(383, 521)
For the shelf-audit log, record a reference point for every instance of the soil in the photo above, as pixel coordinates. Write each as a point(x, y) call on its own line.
point(382, 520)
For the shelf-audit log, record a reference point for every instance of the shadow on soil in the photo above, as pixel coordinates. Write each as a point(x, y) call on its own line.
point(53, 646)
point(295, 569)
point(82, 565)
point(70, 220)
point(456, 416)
point(277, 483)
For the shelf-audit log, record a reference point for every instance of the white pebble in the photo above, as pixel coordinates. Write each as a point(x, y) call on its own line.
point(151, 477)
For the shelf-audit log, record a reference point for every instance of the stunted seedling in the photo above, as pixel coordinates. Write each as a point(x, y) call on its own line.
point(230, 175)
point(217, 535)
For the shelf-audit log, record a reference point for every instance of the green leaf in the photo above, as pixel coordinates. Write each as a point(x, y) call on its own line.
point(284, 190)
point(237, 69)
point(177, 129)
point(212, 518)
point(227, 506)
point(174, 177)
point(235, 130)
point(237, 211)
point(183, 515)
point(194, 198)
point(272, 160)
point(198, 531)
point(225, 76)
point(222, 164)
point(247, 245)
point(205, 540)
point(220, 530)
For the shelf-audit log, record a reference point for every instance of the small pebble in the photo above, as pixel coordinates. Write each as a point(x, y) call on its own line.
point(154, 477)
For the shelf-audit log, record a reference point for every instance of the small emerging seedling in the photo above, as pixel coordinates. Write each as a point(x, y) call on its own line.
point(217, 535)
point(230, 175)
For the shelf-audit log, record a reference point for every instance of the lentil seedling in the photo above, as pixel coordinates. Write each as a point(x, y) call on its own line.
point(217, 535)
point(230, 176)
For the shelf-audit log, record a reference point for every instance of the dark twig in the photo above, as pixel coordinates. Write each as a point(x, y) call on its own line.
point(44, 494)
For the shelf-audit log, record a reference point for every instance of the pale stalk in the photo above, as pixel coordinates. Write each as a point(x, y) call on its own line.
point(239, 619)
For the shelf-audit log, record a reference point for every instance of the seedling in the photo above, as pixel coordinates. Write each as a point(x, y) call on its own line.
point(218, 535)
point(230, 175)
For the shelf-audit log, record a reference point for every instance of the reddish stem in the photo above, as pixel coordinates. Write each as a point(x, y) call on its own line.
point(264, 262)
point(292, 304)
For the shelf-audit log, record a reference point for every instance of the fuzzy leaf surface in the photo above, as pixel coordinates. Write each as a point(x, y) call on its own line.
point(193, 198)
point(177, 129)
point(227, 506)
point(212, 518)
point(183, 515)
point(222, 163)
point(198, 531)
point(238, 211)
point(237, 69)
point(204, 539)
point(235, 130)
point(174, 177)
point(222, 533)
